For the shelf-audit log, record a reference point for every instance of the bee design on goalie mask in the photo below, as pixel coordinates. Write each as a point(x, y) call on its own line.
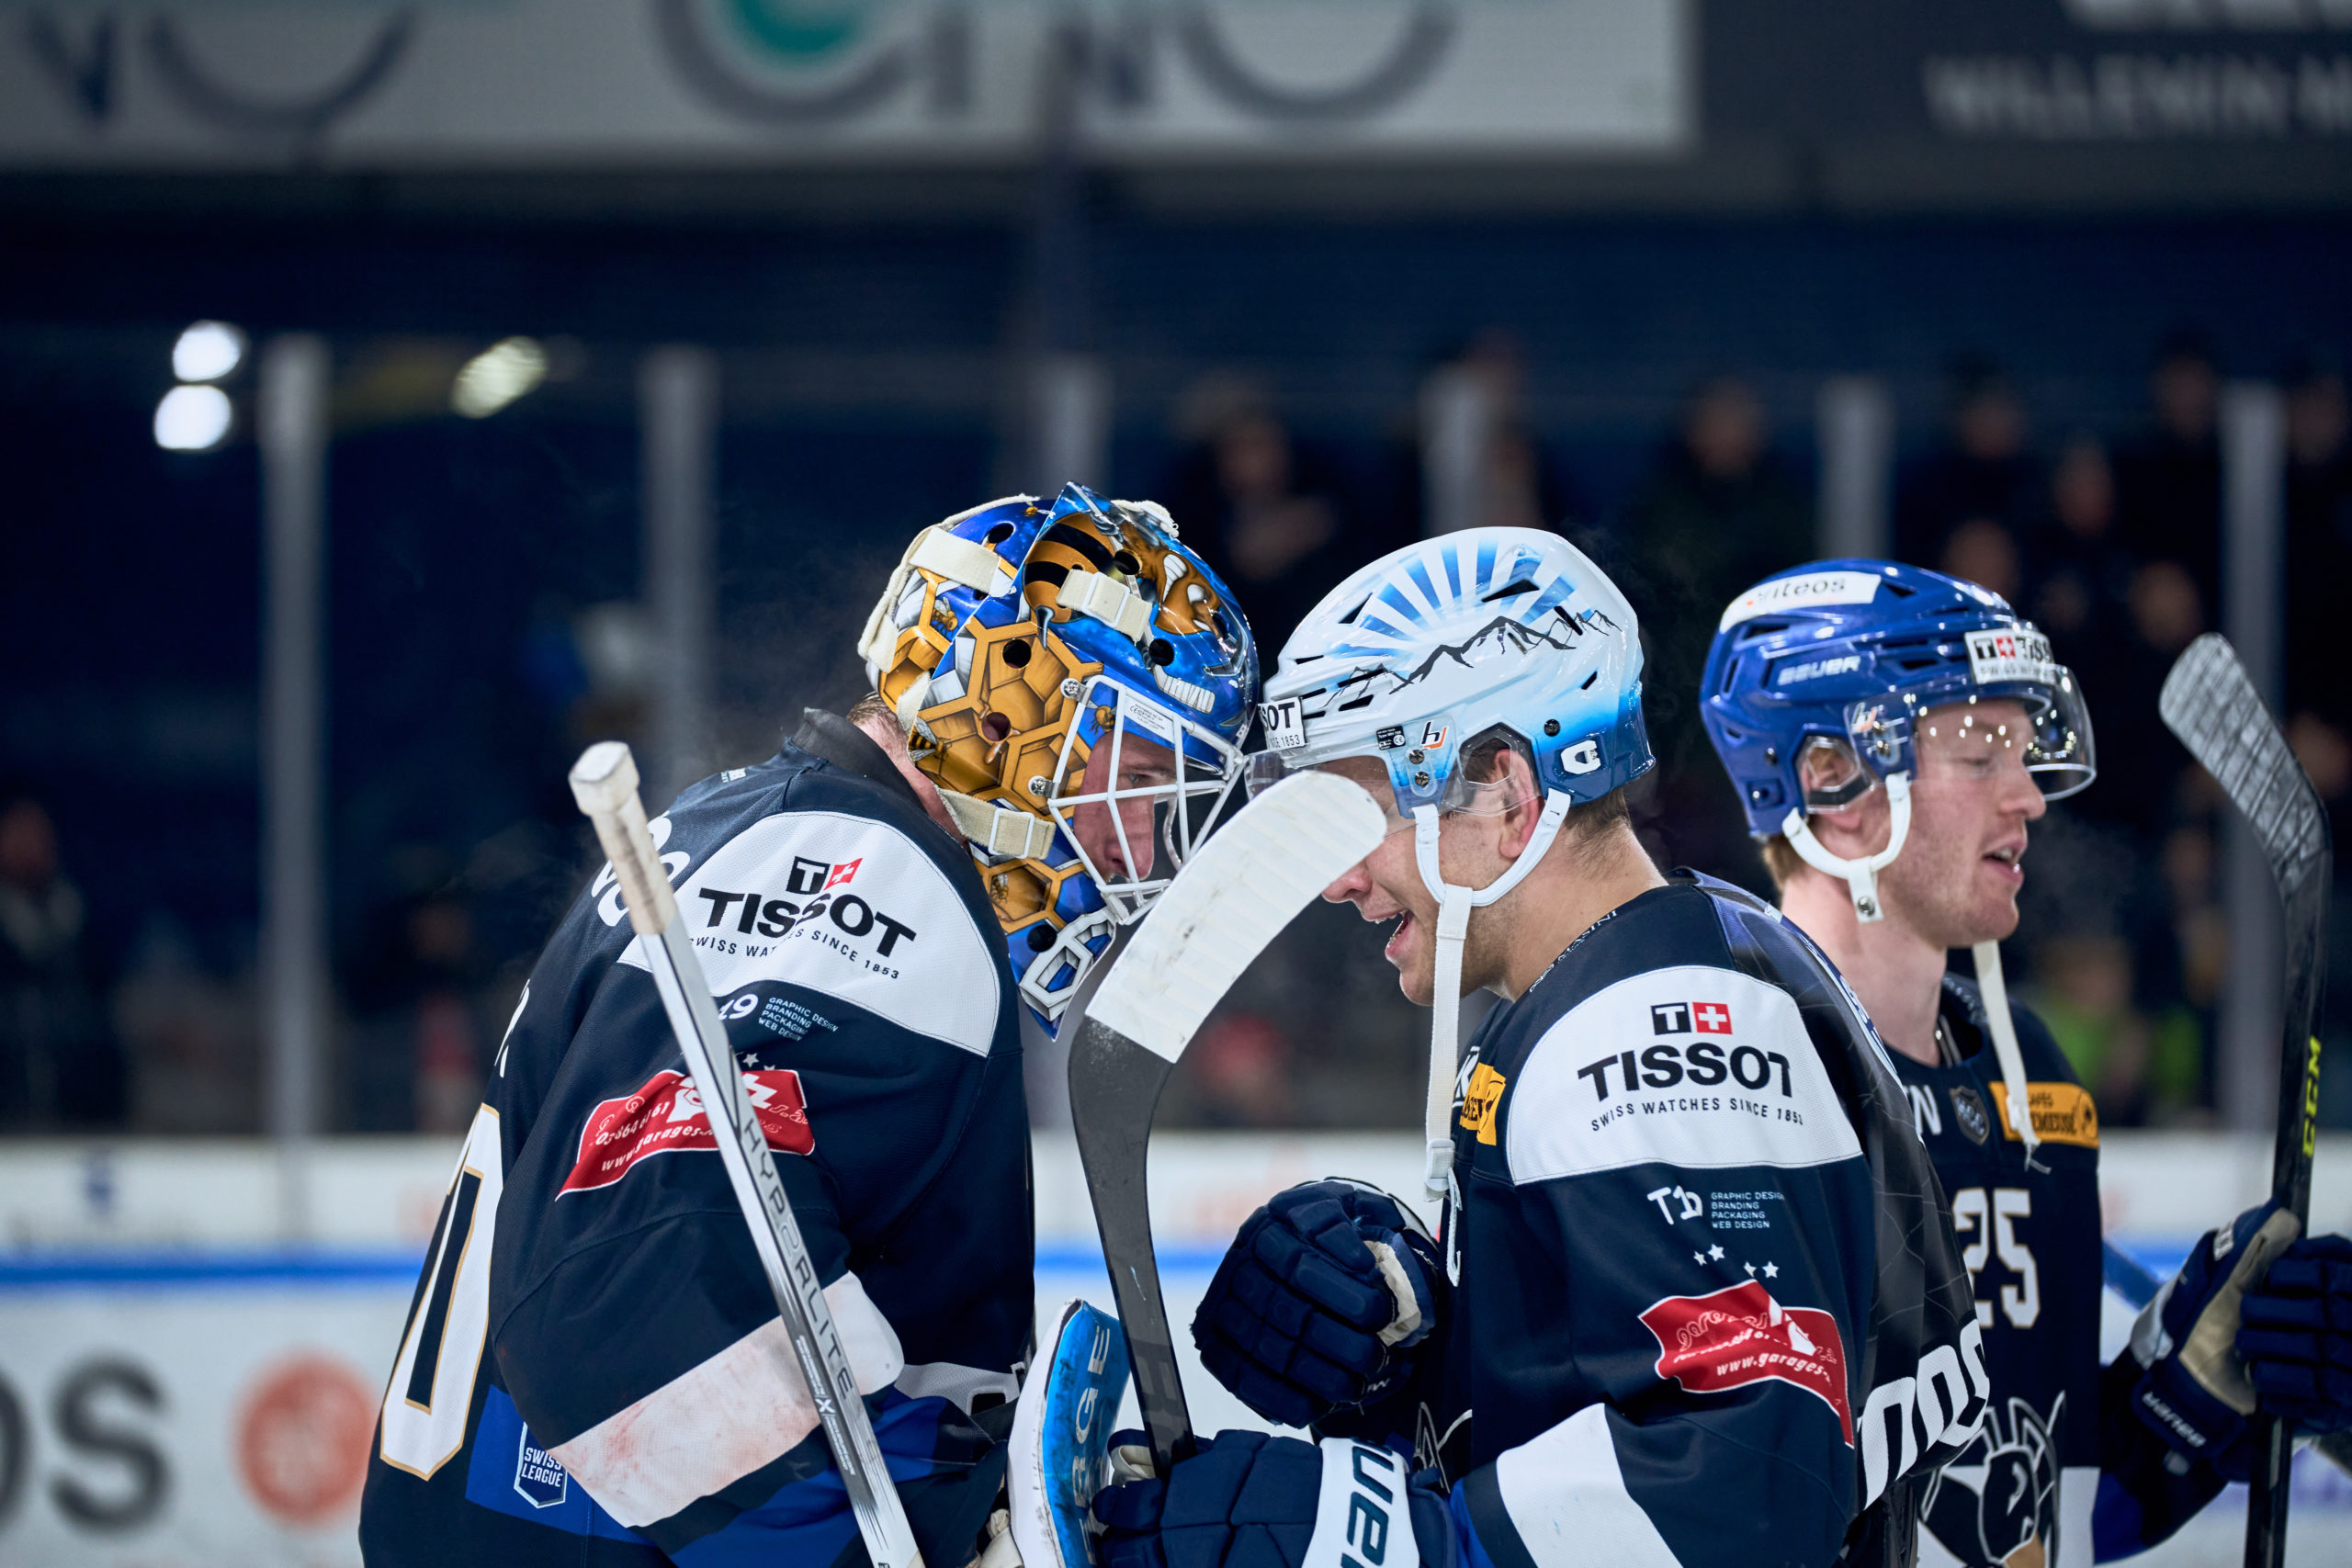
point(1017, 640)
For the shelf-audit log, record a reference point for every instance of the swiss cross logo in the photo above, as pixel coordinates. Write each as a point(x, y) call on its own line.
point(667, 1115)
point(2005, 646)
point(1690, 1017)
point(1739, 1336)
point(808, 876)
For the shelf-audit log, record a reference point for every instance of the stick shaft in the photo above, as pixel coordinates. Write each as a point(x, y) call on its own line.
point(742, 1147)
point(2208, 703)
point(1114, 1087)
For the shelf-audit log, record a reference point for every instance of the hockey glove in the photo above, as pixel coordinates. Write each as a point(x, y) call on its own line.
point(1248, 1500)
point(2295, 1335)
point(1321, 1296)
point(2196, 1392)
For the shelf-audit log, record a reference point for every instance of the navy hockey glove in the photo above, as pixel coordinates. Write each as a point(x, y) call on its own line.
point(1248, 1500)
point(2295, 1334)
point(2196, 1392)
point(1322, 1292)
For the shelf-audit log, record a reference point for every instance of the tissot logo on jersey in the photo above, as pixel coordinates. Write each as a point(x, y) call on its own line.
point(848, 908)
point(1739, 1336)
point(1727, 1077)
point(1703, 1062)
point(750, 912)
point(667, 1115)
point(1690, 1017)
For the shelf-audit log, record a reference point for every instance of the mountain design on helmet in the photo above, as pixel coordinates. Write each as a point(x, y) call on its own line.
point(1452, 642)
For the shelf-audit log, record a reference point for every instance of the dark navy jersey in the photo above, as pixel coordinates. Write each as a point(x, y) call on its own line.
point(2030, 1489)
point(1708, 1310)
point(593, 1372)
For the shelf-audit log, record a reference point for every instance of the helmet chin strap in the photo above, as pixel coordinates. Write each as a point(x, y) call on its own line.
point(1454, 903)
point(2004, 1029)
point(1861, 880)
point(1860, 876)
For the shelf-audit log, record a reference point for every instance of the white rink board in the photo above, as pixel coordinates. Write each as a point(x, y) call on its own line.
point(184, 1425)
point(206, 1405)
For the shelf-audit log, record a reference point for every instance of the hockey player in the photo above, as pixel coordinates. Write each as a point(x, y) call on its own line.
point(1891, 733)
point(593, 1371)
point(1693, 1280)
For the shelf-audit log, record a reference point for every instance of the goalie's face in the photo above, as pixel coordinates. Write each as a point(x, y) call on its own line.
point(1112, 820)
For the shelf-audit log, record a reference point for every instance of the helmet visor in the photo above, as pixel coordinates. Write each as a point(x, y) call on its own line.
point(2055, 748)
point(1475, 782)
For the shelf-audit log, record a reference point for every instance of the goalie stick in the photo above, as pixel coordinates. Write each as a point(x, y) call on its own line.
point(1232, 898)
point(2210, 703)
point(605, 783)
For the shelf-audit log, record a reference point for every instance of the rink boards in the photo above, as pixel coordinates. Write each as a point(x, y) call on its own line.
point(179, 1392)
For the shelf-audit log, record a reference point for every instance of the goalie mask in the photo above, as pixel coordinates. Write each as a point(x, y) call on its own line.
point(1054, 664)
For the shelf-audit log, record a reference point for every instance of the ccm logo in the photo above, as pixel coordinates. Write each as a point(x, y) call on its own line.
point(1690, 1017)
point(1703, 1062)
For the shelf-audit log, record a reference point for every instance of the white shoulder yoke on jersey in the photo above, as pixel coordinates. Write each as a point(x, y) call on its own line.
point(848, 907)
point(1693, 1066)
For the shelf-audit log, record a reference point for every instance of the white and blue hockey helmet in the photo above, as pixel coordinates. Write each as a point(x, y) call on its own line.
point(1429, 656)
point(1447, 645)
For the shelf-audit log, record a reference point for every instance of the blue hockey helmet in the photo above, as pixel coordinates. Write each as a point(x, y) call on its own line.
point(1016, 639)
point(1846, 655)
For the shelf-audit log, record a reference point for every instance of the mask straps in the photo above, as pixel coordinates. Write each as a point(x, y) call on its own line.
point(1454, 905)
point(1860, 876)
point(2004, 1029)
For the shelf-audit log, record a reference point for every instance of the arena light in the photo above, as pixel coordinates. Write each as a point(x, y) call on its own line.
point(192, 419)
point(208, 351)
point(497, 376)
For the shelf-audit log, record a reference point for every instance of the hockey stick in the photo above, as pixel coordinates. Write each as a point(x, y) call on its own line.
point(1232, 898)
point(2210, 703)
point(2130, 1279)
point(605, 783)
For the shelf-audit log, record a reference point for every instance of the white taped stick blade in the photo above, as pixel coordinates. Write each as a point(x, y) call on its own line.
point(1236, 893)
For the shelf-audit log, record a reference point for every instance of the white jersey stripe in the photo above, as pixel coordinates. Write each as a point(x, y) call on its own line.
point(721, 1421)
point(1566, 1498)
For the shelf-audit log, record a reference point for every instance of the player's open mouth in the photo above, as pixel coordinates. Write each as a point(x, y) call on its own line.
point(2009, 858)
point(1396, 938)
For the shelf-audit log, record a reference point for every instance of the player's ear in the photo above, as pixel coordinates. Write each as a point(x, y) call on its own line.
point(1525, 794)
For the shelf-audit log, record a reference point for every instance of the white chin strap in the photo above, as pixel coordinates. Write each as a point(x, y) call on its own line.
point(1860, 876)
point(1454, 905)
point(1995, 992)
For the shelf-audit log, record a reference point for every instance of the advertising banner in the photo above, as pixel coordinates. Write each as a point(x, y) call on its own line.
point(192, 1417)
point(2236, 73)
point(565, 83)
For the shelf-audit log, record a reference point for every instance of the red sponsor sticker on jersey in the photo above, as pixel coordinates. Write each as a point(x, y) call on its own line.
point(1741, 1336)
point(843, 874)
point(667, 1115)
point(1711, 1017)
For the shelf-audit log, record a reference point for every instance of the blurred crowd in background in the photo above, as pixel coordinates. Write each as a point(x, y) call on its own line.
point(2107, 538)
